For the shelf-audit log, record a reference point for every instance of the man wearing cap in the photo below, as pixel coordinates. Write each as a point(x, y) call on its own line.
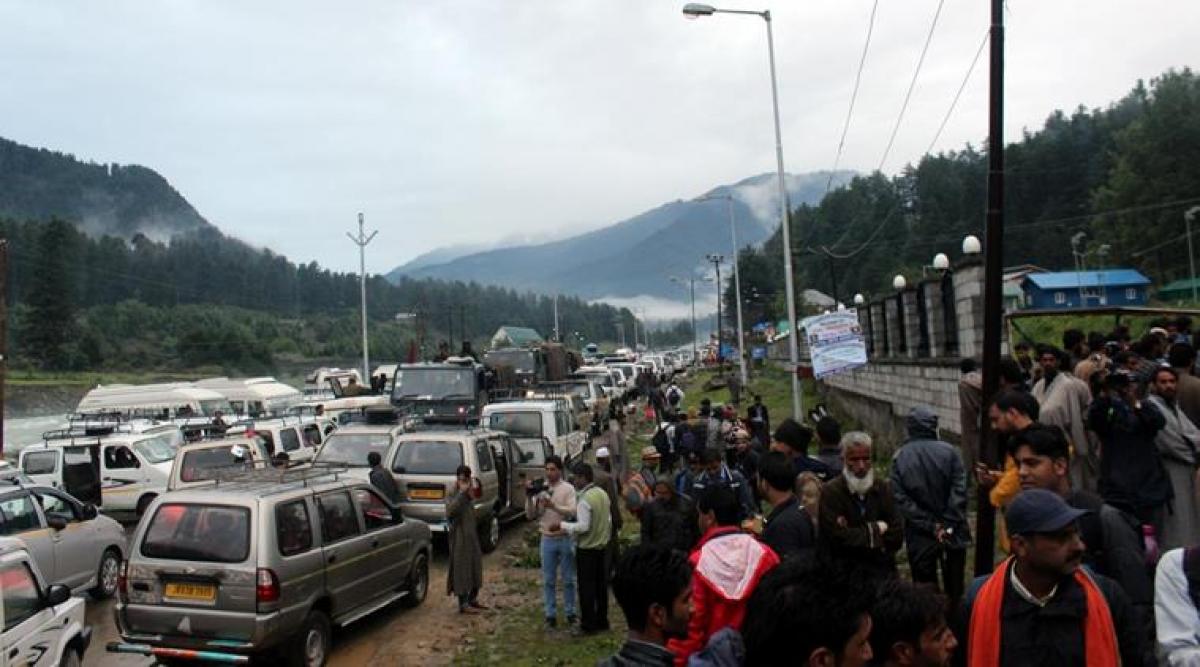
point(1039, 607)
point(792, 439)
point(638, 488)
point(605, 480)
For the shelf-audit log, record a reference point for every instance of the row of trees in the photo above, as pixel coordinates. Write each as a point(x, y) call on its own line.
point(1123, 175)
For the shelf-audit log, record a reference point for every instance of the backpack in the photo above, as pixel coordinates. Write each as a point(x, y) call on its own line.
point(660, 442)
point(673, 396)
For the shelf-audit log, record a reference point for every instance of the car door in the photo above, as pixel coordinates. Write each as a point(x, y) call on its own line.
point(76, 553)
point(20, 518)
point(485, 472)
point(346, 550)
point(30, 630)
point(391, 549)
point(121, 477)
point(528, 457)
point(43, 466)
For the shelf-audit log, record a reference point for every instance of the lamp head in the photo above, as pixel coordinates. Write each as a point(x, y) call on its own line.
point(695, 10)
point(859, 300)
point(941, 262)
point(971, 246)
point(899, 283)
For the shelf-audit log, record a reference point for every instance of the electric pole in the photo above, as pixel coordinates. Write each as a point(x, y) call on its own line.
point(361, 241)
point(3, 333)
point(716, 261)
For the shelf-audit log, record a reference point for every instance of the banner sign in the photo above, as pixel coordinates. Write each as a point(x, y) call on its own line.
point(835, 341)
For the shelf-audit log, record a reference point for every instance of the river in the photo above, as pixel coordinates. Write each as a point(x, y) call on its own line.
point(28, 430)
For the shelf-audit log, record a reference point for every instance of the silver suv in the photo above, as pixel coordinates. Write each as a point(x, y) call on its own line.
point(265, 563)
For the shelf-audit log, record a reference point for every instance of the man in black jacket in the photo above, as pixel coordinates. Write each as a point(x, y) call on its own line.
point(670, 520)
point(1112, 539)
point(788, 529)
point(653, 587)
point(382, 479)
point(859, 523)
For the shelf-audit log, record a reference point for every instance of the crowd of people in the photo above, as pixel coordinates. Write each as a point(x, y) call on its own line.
point(754, 551)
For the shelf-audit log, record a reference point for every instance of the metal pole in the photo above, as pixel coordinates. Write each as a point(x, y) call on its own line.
point(737, 288)
point(716, 260)
point(555, 318)
point(1191, 213)
point(992, 301)
point(361, 241)
point(695, 354)
point(789, 288)
point(3, 334)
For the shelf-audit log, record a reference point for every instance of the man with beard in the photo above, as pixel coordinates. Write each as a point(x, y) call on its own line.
point(1039, 607)
point(908, 626)
point(859, 523)
point(930, 489)
point(670, 521)
point(1064, 403)
point(1012, 412)
point(1177, 443)
point(653, 587)
point(1112, 538)
point(788, 530)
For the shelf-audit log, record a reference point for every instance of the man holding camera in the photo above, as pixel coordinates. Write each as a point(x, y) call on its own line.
point(552, 505)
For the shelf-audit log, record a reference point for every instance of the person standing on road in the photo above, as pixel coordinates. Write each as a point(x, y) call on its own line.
point(760, 422)
point(653, 586)
point(606, 481)
point(591, 530)
point(788, 530)
point(1064, 403)
point(382, 479)
point(829, 437)
point(550, 507)
point(465, 575)
point(1177, 444)
point(670, 521)
point(930, 489)
point(859, 524)
point(792, 439)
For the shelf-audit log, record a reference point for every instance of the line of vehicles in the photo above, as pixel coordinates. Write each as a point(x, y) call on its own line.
point(258, 530)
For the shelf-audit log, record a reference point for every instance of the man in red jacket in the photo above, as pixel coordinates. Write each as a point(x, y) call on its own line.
point(727, 566)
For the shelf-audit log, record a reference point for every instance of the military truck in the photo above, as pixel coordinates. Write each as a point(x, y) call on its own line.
point(518, 368)
point(449, 392)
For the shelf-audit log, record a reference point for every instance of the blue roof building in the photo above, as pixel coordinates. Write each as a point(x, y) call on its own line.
point(1085, 289)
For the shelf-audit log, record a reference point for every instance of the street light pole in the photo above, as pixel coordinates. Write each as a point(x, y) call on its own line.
point(692, 289)
point(737, 285)
point(1187, 217)
point(716, 260)
point(361, 241)
point(695, 10)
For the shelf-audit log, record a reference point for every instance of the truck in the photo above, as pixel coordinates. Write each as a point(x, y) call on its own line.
point(518, 368)
point(449, 392)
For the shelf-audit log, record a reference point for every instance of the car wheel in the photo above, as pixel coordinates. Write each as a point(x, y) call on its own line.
point(489, 537)
point(418, 582)
point(70, 658)
point(143, 503)
point(311, 645)
point(107, 575)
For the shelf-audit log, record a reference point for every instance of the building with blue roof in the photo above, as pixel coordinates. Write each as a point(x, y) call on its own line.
point(1085, 289)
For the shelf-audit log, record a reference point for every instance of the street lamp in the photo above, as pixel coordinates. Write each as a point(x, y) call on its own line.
point(859, 299)
point(716, 261)
point(737, 284)
point(941, 262)
point(1187, 217)
point(899, 283)
point(696, 10)
point(691, 281)
point(971, 245)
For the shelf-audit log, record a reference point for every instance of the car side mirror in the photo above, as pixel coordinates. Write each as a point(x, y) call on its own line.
point(57, 594)
point(56, 522)
point(397, 516)
point(89, 512)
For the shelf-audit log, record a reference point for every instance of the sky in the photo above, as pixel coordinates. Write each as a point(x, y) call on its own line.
point(462, 121)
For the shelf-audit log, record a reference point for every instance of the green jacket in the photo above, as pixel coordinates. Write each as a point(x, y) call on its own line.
point(599, 531)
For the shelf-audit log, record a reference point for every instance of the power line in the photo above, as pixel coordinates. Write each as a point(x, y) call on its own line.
point(862, 61)
point(912, 84)
point(961, 87)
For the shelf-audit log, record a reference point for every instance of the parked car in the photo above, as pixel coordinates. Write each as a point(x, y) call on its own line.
point(43, 626)
point(298, 436)
point(198, 462)
point(349, 445)
point(72, 544)
point(553, 419)
point(424, 465)
point(265, 566)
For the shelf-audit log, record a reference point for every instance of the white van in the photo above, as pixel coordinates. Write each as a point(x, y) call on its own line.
point(171, 401)
point(299, 437)
point(317, 383)
point(255, 397)
point(117, 472)
point(550, 419)
point(198, 462)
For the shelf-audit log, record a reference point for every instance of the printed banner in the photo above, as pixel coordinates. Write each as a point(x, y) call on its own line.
point(835, 341)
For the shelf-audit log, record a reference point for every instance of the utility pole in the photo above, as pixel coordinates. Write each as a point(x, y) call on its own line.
point(992, 296)
point(692, 288)
point(556, 336)
point(361, 241)
point(716, 261)
point(3, 333)
point(1187, 217)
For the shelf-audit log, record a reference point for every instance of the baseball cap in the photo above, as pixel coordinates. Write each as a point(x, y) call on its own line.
point(649, 452)
point(1039, 511)
point(602, 453)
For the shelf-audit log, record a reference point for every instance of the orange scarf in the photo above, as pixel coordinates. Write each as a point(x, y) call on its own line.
point(983, 648)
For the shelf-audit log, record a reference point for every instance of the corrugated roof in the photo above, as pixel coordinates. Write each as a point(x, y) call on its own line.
point(1076, 279)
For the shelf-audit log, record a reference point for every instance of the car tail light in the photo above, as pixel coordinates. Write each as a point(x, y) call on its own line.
point(123, 582)
point(266, 586)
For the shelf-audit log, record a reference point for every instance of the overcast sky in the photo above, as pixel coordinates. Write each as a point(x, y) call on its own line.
point(464, 121)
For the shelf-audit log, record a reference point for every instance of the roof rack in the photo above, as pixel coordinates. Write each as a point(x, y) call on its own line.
point(263, 472)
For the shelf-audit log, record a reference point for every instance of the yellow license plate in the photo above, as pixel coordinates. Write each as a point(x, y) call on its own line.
point(198, 592)
point(426, 494)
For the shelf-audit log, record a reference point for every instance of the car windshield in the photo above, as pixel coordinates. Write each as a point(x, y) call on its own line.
point(521, 360)
point(517, 424)
point(201, 464)
point(207, 533)
point(212, 406)
point(435, 383)
point(159, 449)
point(352, 448)
point(428, 457)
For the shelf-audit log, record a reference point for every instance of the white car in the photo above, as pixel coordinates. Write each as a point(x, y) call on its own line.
point(551, 419)
point(43, 625)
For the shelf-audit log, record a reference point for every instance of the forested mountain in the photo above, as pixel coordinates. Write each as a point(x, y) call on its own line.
point(1123, 175)
point(634, 257)
point(38, 184)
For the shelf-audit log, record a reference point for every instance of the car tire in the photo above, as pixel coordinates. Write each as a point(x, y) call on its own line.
point(418, 582)
point(143, 503)
point(70, 658)
point(310, 647)
point(489, 535)
point(107, 574)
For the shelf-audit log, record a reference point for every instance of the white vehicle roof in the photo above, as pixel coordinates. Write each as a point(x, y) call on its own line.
point(520, 406)
point(250, 389)
point(119, 397)
point(319, 376)
point(82, 439)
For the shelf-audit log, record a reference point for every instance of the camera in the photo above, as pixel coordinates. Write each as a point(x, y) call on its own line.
point(535, 487)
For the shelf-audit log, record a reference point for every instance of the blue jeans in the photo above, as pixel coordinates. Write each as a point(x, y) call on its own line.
point(558, 552)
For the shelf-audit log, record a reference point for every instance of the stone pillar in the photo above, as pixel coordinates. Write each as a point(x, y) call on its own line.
point(892, 313)
point(968, 306)
point(934, 316)
point(879, 331)
point(864, 322)
point(912, 323)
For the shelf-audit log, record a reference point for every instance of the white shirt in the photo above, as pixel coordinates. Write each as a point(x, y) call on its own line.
point(583, 516)
point(1176, 620)
point(1029, 596)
